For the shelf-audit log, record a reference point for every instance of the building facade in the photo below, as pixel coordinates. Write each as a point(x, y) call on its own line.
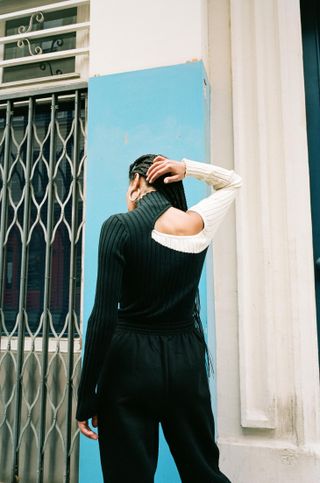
point(86, 87)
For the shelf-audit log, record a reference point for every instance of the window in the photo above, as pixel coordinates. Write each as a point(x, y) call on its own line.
point(45, 43)
point(42, 171)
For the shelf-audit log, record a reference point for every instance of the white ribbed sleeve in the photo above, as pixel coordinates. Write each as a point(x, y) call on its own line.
point(212, 209)
point(225, 182)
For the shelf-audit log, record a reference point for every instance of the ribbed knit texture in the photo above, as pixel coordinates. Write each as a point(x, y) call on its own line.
point(154, 281)
point(212, 209)
point(111, 263)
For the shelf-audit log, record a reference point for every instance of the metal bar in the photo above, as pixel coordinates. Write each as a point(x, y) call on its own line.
point(36, 345)
point(29, 59)
point(46, 295)
point(68, 78)
point(43, 100)
point(43, 8)
point(45, 90)
point(45, 32)
point(3, 219)
point(74, 223)
point(22, 295)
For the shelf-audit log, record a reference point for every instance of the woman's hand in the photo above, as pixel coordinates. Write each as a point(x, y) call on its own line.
point(161, 166)
point(85, 428)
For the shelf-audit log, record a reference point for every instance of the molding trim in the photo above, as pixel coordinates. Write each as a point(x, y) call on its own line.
point(278, 360)
point(250, 52)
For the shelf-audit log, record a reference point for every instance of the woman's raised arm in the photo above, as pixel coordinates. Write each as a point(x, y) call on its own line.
point(225, 182)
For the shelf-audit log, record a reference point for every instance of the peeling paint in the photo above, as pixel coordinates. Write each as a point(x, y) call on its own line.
point(288, 457)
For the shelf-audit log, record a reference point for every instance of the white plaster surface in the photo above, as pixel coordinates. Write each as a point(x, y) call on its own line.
point(265, 321)
point(133, 35)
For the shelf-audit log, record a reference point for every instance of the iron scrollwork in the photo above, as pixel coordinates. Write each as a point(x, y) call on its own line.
point(38, 17)
point(37, 50)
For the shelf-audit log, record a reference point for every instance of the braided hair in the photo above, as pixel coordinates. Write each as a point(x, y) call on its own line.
point(175, 194)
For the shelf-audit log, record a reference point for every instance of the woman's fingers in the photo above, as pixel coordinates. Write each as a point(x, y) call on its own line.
point(157, 164)
point(156, 172)
point(158, 168)
point(86, 431)
point(162, 167)
point(159, 158)
point(172, 179)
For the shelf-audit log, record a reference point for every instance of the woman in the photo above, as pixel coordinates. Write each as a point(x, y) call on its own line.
point(145, 353)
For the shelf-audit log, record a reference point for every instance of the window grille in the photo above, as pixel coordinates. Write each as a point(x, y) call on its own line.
point(43, 43)
point(42, 161)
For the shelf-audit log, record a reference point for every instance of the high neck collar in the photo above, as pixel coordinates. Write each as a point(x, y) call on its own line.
point(153, 198)
point(146, 193)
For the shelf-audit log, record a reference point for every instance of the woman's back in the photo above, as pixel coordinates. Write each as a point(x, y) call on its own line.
point(144, 275)
point(158, 282)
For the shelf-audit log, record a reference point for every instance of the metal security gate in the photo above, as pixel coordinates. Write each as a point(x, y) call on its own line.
point(42, 160)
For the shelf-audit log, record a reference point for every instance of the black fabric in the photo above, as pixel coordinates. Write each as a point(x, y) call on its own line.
point(151, 282)
point(156, 377)
point(144, 357)
point(175, 193)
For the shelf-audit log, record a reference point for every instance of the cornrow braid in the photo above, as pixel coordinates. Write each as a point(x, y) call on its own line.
point(175, 193)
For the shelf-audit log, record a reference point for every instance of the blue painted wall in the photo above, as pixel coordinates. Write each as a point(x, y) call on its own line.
point(161, 110)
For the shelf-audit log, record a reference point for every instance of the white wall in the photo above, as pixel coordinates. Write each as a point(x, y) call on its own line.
point(268, 390)
point(132, 35)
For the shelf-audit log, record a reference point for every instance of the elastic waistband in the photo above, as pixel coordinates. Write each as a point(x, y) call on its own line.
point(156, 327)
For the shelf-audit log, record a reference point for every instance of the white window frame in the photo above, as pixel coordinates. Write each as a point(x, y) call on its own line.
point(81, 52)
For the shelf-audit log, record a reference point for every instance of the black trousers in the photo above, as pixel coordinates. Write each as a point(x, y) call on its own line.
point(156, 375)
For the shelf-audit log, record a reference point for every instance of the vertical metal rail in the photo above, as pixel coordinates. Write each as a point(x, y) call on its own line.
point(3, 218)
point(22, 296)
point(74, 224)
point(46, 295)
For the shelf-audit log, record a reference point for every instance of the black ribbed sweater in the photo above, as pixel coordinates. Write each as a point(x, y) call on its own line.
point(138, 279)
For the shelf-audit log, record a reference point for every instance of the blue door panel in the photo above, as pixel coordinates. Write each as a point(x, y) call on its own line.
point(162, 110)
